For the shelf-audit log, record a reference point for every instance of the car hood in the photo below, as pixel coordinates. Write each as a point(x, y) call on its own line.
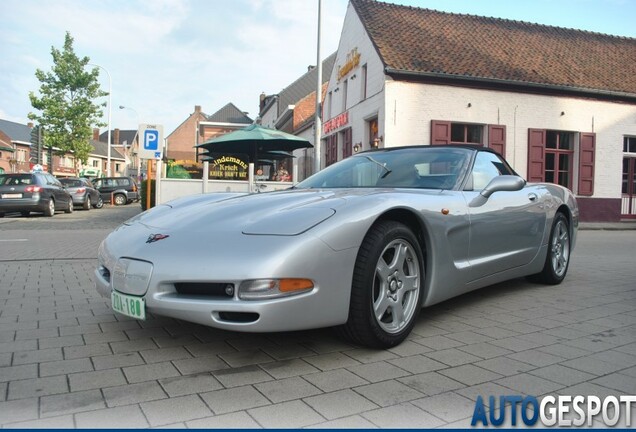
point(284, 213)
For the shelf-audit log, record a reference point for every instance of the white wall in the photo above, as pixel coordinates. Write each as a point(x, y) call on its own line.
point(411, 107)
point(176, 188)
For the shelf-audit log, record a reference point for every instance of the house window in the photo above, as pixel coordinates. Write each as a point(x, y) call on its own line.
point(95, 164)
point(629, 145)
point(373, 131)
point(462, 133)
point(331, 150)
point(363, 80)
point(347, 147)
point(117, 167)
point(345, 87)
point(551, 156)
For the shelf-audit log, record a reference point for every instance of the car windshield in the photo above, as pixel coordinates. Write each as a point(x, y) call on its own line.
point(417, 167)
point(72, 182)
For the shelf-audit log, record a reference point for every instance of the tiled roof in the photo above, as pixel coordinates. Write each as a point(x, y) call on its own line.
point(305, 109)
point(443, 45)
point(230, 114)
point(101, 149)
point(16, 131)
point(125, 135)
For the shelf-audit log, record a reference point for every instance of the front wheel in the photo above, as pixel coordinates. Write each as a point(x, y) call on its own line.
point(100, 203)
point(387, 287)
point(558, 257)
point(69, 206)
point(49, 211)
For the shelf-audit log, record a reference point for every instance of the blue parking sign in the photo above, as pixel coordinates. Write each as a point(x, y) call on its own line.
point(151, 139)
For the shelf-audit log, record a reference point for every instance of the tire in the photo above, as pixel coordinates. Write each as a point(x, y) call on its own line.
point(69, 207)
point(120, 199)
point(386, 292)
point(100, 203)
point(87, 203)
point(49, 211)
point(558, 256)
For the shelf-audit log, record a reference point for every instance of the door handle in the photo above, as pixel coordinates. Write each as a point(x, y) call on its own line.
point(532, 196)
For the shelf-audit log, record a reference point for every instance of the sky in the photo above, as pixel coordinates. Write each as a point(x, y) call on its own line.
point(166, 56)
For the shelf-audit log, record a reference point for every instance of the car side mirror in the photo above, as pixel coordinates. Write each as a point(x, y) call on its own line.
point(508, 183)
point(501, 183)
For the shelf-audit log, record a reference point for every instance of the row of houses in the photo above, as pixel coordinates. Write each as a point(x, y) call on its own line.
point(559, 104)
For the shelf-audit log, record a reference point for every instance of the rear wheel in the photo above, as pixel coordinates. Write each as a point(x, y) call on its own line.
point(120, 199)
point(387, 287)
point(50, 208)
point(558, 257)
point(87, 202)
point(100, 203)
point(69, 206)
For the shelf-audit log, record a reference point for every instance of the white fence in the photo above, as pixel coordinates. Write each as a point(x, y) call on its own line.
point(176, 188)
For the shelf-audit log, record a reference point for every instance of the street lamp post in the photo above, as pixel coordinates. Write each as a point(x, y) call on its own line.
point(110, 98)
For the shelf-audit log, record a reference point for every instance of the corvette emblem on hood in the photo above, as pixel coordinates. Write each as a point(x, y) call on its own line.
point(156, 237)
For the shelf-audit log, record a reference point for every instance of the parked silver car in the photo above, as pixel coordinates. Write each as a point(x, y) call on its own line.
point(33, 192)
point(83, 192)
point(361, 245)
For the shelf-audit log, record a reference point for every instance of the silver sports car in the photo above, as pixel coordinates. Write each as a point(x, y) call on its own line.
point(362, 245)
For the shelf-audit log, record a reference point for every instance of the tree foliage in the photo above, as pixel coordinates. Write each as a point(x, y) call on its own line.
point(66, 102)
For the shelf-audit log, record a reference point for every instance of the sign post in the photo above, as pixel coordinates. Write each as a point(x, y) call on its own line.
point(150, 148)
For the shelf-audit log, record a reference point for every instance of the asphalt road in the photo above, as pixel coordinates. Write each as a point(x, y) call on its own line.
point(66, 360)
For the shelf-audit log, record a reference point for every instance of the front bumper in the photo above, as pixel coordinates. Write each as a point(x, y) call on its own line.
point(327, 304)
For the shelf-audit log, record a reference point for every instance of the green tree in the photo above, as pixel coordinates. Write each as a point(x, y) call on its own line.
point(66, 102)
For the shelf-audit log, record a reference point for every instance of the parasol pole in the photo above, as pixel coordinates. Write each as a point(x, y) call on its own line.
point(317, 121)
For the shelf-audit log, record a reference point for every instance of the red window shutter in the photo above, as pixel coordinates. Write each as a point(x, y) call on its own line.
point(536, 155)
point(587, 146)
point(440, 132)
point(347, 148)
point(497, 139)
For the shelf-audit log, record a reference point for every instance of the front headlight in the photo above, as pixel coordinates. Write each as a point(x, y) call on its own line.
point(264, 289)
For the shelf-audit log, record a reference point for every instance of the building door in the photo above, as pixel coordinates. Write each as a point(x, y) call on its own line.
point(628, 204)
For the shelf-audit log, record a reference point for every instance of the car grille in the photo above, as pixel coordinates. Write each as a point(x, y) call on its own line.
point(218, 290)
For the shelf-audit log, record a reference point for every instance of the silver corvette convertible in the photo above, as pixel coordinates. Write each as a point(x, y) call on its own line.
point(362, 245)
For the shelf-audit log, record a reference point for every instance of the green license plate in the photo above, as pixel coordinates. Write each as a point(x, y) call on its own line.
point(131, 306)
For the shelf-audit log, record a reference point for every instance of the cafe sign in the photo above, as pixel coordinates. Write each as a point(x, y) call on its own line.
point(353, 61)
point(336, 123)
point(228, 167)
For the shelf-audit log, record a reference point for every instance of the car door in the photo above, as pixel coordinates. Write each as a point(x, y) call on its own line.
point(507, 228)
point(60, 194)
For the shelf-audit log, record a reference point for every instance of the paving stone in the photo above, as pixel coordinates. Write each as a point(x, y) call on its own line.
point(447, 406)
point(111, 326)
point(591, 365)
point(234, 399)
point(209, 349)
point(61, 422)
point(439, 342)
point(60, 342)
point(137, 333)
point(333, 380)
point(175, 341)
point(469, 374)
point(79, 329)
point(562, 375)
point(624, 384)
point(529, 384)
point(22, 389)
point(5, 360)
point(504, 366)
point(200, 365)
point(351, 422)
point(18, 410)
point(331, 361)
point(452, 357)
point(71, 403)
point(288, 368)
point(36, 333)
point(287, 351)
point(536, 358)
point(407, 349)
point(431, 383)
point(86, 351)
point(235, 377)
point(63, 367)
point(402, 416)
point(36, 356)
point(367, 355)
point(135, 374)
point(226, 421)
point(132, 346)
point(176, 409)
point(190, 384)
point(565, 351)
point(133, 393)
point(287, 389)
point(117, 361)
point(380, 371)
point(388, 393)
point(97, 379)
point(294, 414)
point(483, 390)
point(245, 358)
point(127, 417)
point(339, 404)
point(23, 345)
point(165, 354)
point(96, 338)
point(10, 373)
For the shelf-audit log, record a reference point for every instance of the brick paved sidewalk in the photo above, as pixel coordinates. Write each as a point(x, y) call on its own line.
point(67, 361)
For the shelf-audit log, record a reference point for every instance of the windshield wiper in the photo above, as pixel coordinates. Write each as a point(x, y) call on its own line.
point(381, 165)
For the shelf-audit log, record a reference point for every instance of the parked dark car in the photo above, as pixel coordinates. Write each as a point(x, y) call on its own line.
point(119, 190)
point(33, 192)
point(83, 192)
